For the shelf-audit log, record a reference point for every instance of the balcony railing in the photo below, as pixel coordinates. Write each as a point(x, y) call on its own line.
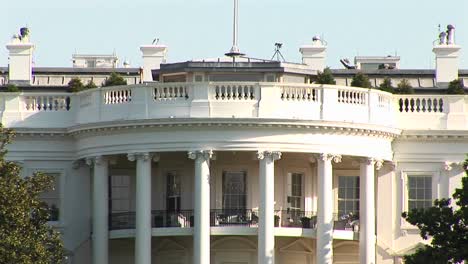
point(238, 100)
point(232, 218)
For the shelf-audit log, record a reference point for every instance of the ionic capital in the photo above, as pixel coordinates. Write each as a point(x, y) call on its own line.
point(96, 160)
point(143, 156)
point(201, 154)
point(329, 157)
point(449, 165)
point(272, 155)
point(378, 163)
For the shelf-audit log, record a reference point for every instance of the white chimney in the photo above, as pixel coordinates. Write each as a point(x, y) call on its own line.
point(20, 58)
point(153, 56)
point(447, 53)
point(315, 55)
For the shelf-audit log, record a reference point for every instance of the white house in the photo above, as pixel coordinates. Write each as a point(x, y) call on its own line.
point(238, 161)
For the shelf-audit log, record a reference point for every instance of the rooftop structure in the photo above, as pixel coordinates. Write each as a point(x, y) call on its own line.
point(238, 161)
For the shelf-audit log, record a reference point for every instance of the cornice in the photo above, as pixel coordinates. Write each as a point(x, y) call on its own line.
point(429, 135)
point(325, 127)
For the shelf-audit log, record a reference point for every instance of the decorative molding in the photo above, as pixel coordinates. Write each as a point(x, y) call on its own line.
point(200, 154)
point(379, 164)
point(330, 157)
point(144, 156)
point(96, 160)
point(76, 164)
point(449, 165)
point(266, 154)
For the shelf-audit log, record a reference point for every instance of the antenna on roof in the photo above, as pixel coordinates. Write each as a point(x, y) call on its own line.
point(235, 52)
point(277, 53)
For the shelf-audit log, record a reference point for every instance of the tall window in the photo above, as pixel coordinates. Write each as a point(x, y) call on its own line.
point(173, 191)
point(419, 192)
point(348, 195)
point(120, 193)
point(52, 198)
point(295, 197)
point(234, 190)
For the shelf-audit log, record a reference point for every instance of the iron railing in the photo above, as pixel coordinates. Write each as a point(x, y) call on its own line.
point(163, 218)
point(295, 218)
point(123, 220)
point(349, 221)
point(234, 217)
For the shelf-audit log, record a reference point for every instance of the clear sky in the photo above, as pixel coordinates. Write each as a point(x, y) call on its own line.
point(203, 28)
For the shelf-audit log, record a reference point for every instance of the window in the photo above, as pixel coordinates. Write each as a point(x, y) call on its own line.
point(234, 190)
point(295, 197)
point(419, 192)
point(52, 198)
point(348, 195)
point(120, 193)
point(173, 191)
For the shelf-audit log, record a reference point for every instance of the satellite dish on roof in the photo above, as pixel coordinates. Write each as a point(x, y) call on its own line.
point(347, 64)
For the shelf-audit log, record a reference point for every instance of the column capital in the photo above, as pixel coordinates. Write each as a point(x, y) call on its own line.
point(96, 160)
point(144, 156)
point(373, 161)
point(204, 154)
point(329, 157)
point(273, 155)
point(450, 165)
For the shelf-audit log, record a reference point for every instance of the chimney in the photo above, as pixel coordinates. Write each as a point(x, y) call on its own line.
point(20, 52)
point(153, 56)
point(315, 55)
point(446, 52)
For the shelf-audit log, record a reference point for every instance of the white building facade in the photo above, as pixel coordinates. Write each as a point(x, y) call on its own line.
point(239, 162)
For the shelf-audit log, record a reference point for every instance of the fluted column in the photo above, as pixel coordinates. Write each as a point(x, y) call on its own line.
point(143, 207)
point(325, 207)
point(100, 219)
point(201, 232)
point(266, 228)
point(367, 211)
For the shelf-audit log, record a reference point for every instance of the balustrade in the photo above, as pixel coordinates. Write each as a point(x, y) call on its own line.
point(348, 96)
point(421, 104)
point(47, 103)
point(234, 92)
point(117, 96)
point(171, 92)
point(301, 93)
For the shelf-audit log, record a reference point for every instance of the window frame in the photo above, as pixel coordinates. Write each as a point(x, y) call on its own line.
point(336, 175)
point(404, 187)
point(61, 184)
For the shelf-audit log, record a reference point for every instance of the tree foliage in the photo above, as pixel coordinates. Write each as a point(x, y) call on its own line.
point(387, 86)
point(25, 236)
point(446, 225)
point(115, 79)
point(325, 77)
point(404, 87)
point(90, 85)
point(361, 80)
point(75, 85)
point(456, 87)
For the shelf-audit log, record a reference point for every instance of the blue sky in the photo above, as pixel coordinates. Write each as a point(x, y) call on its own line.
point(203, 28)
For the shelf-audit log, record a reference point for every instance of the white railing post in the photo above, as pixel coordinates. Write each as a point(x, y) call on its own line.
point(456, 107)
point(329, 103)
point(200, 105)
point(269, 101)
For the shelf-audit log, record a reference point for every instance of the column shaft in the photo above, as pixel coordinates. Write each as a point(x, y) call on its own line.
point(367, 213)
point(143, 210)
point(201, 235)
point(266, 228)
point(325, 210)
point(100, 211)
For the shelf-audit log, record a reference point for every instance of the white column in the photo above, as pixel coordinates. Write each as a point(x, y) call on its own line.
point(143, 207)
point(201, 233)
point(266, 228)
point(100, 220)
point(367, 211)
point(325, 208)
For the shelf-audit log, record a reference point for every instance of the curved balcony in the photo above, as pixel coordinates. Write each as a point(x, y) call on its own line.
point(272, 101)
point(232, 222)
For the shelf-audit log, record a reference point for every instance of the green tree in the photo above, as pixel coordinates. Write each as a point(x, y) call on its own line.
point(404, 87)
point(90, 85)
point(456, 87)
point(25, 236)
point(387, 86)
point(361, 80)
point(325, 77)
point(12, 88)
point(75, 85)
point(446, 225)
point(115, 79)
